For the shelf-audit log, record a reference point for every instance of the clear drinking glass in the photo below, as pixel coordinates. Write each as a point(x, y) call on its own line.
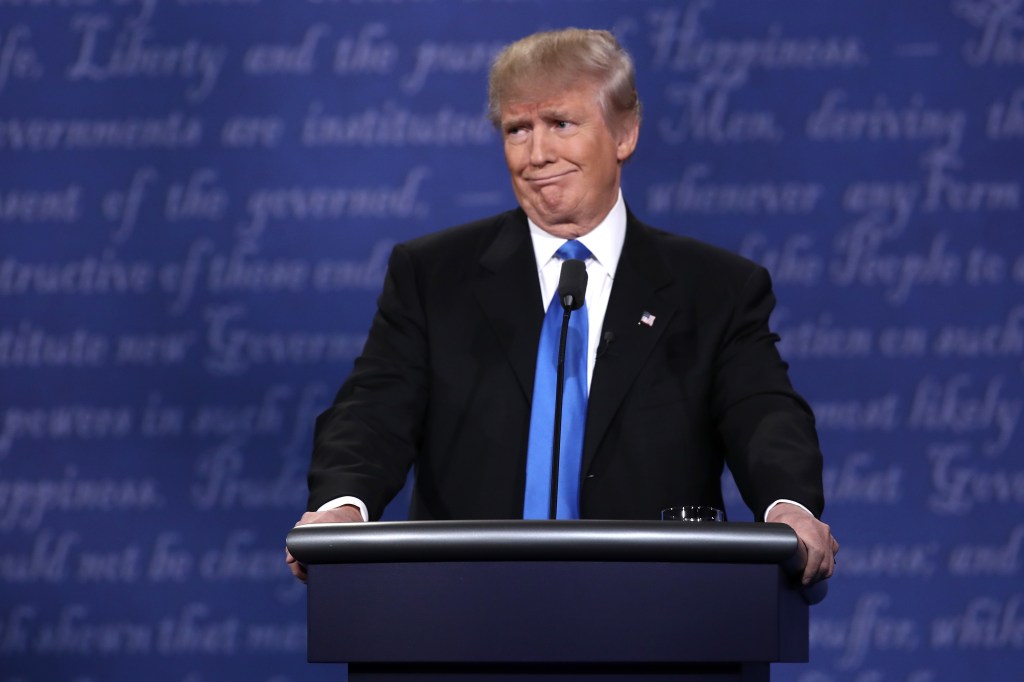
point(692, 513)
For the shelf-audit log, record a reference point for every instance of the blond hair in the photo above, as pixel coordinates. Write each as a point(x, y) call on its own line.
point(554, 61)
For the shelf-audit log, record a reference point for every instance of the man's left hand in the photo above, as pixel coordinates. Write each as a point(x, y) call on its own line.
point(818, 547)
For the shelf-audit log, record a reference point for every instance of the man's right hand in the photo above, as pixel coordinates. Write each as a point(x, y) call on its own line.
point(344, 514)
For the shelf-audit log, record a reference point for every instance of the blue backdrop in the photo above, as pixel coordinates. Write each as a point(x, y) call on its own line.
point(198, 197)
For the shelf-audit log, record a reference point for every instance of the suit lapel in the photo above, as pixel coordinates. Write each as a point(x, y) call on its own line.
point(509, 293)
point(509, 296)
point(638, 278)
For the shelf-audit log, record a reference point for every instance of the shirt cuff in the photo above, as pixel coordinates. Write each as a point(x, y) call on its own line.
point(354, 501)
point(776, 503)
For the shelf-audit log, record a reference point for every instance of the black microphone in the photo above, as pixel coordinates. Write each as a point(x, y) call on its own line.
point(602, 345)
point(572, 284)
point(572, 289)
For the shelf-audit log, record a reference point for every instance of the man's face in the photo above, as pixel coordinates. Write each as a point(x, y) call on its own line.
point(564, 160)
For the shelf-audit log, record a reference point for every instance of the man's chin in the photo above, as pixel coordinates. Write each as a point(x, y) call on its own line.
point(563, 227)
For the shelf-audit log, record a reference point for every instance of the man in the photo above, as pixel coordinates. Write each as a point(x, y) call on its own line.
point(682, 369)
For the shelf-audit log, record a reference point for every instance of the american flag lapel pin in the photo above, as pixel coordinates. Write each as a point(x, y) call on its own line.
point(647, 319)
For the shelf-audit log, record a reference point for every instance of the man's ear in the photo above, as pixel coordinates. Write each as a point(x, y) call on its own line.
point(629, 133)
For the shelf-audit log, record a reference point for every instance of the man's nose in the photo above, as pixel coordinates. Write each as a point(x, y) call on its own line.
point(541, 147)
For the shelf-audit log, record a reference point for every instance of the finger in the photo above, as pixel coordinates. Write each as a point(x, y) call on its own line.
point(814, 573)
point(810, 573)
point(819, 566)
point(830, 566)
point(811, 568)
point(297, 569)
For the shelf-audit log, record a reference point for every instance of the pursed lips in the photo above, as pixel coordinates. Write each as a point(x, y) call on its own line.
point(548, 179)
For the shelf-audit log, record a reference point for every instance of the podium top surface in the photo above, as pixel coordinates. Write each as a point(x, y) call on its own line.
point(583, 540)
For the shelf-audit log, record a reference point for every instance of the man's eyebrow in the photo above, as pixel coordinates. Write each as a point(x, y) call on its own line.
point(550, 114)
point(514, 122)
point(555, 114)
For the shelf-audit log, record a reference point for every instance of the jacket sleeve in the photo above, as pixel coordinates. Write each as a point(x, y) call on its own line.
point(768, 428)
point(365, 443)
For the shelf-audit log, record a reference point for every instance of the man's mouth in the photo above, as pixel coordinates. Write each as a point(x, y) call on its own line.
point(547, 179)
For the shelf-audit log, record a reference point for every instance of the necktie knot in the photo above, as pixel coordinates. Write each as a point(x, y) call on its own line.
point(573, 249)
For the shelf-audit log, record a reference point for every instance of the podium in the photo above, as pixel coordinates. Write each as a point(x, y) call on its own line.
point(554, 600)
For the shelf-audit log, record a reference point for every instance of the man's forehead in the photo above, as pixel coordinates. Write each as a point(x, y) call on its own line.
point(547, 103)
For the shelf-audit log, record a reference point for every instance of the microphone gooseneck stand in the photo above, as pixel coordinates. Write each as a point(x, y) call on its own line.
point(572, 285)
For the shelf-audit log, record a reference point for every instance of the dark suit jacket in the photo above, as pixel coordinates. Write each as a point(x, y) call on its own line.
point(446, 378)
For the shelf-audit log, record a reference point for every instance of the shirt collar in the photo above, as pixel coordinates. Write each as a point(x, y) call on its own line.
point(604, 241)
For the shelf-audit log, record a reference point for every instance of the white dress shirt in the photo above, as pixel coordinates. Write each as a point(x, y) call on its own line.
point(605, 244)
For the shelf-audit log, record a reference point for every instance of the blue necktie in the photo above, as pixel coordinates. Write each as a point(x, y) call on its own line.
point(536, 502)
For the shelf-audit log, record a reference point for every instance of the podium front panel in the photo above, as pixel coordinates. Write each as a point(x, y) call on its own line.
point(554, 611)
